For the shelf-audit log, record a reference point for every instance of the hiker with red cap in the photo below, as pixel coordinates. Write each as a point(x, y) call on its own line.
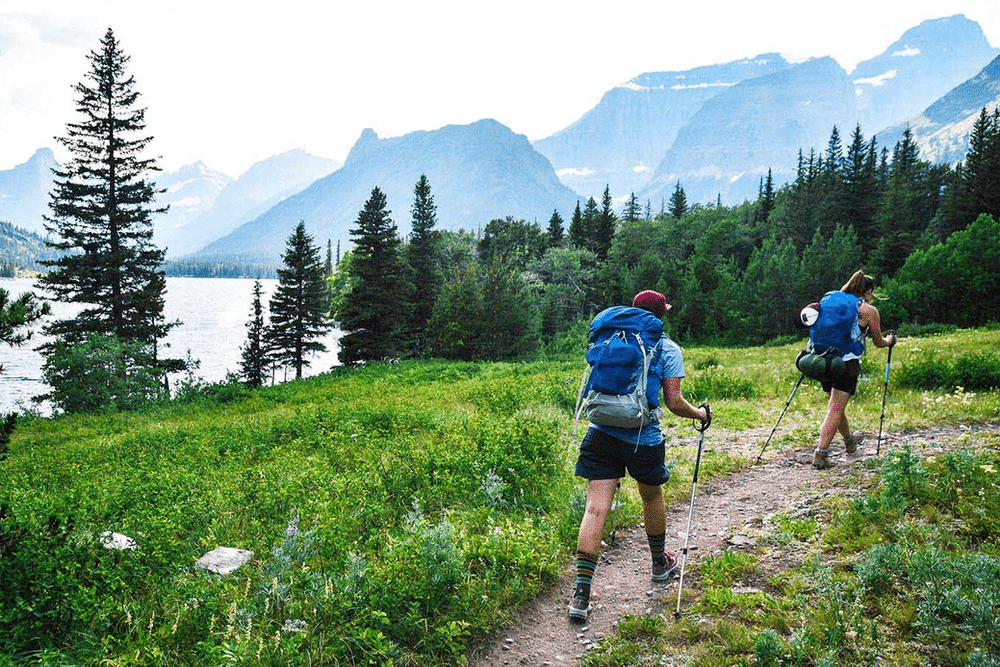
point(618, 441)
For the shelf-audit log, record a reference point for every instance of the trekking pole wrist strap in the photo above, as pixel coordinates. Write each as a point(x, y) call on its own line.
point(703, 426)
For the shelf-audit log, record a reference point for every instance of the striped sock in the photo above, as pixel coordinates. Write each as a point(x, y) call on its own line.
point(586, 564)
point(657, 546)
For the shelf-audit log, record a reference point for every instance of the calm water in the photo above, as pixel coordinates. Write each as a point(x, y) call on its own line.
point(214, 313)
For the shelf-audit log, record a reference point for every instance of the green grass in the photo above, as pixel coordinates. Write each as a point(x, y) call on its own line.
point(398, 513)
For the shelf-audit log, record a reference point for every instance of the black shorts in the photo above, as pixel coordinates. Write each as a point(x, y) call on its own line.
point(848, 381)
point(605, 457)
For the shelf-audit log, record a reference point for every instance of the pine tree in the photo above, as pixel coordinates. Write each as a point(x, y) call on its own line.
point(101, 209)
point(424, 258)
point(899, 221)
point(556, 233)
point(253, 354)
point(374, 311)
point(299, 304)
point(678, 202)
point(578, 237)
point(328, 267)
point(860, 197)
point(976, 182)
point(632, 210)
point(591, 221)
point(767, 197)
point(604, 231)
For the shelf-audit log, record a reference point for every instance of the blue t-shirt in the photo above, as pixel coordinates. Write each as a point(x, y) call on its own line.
point(667, 362)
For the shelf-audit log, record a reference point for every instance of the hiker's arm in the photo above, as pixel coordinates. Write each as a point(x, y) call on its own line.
point(676, 402)
point(874, 325)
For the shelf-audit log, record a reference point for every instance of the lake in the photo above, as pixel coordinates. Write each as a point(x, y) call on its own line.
point(214, 313)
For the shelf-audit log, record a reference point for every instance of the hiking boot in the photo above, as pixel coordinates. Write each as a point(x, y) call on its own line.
point(821, 459)
point(851, 443)
point(579, 608)
point(664, 570)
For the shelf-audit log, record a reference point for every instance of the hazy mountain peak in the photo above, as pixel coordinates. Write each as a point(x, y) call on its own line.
point(477, 172)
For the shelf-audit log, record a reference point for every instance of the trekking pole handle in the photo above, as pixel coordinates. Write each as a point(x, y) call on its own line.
point(895, 339)
point(703, 426)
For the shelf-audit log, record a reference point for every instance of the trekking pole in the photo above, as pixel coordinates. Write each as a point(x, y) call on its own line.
point(787, 403)
point(885, 391)
point(701, 428)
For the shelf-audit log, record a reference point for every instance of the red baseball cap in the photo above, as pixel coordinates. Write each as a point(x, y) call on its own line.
point(652, 301)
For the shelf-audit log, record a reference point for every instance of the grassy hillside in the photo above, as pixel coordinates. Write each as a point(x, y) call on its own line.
point(395, 512)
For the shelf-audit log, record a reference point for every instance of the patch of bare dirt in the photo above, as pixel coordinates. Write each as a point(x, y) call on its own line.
point(725, 512)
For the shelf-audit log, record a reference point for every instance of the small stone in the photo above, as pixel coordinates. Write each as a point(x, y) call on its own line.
point(741, 540)
point(223, 560)
point(117, 541)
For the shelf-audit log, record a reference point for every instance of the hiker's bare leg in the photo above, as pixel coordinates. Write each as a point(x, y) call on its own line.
point(654, 512)
point(600, 495)
point(835, 417)
point(844, 428)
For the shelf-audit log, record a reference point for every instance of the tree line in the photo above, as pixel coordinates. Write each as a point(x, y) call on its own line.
point(737, 274)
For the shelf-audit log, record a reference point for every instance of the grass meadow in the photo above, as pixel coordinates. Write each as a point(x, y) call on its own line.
point(398, 513)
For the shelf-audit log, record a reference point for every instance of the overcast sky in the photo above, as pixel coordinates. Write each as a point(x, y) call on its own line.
point(232, 83)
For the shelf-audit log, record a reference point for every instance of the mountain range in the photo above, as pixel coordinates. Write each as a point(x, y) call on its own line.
point(477, 172)
point(715, 130)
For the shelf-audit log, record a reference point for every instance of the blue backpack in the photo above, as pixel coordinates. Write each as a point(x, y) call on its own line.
point(619, 389)
point(837, 327)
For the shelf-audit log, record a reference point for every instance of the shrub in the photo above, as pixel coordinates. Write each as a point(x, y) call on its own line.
point(767, 648)
point(102, 373)
point(715, 383)
point(972, 370)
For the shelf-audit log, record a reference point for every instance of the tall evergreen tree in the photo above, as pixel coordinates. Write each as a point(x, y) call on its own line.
point(578, 237)
point(606, 223)
point(907, 207)
point(299, 304)
point(860, 189)
point(101, 208)
point(976, 182)
point(589, 221)
point(253, 354)
point(374, 310)
point(556, 233)
point(424, 259)
point(767, 196)
point(678, 202)
point(632, 211)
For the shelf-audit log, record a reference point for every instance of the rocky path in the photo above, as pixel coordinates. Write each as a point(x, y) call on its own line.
point(723, 511)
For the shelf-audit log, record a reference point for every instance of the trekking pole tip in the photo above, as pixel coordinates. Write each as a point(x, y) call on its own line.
point(677, 615)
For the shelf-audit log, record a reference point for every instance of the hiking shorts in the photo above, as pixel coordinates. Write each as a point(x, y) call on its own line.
point(848, 381)
point(605, 457)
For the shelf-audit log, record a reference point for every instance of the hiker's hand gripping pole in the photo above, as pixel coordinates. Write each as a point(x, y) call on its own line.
point(885, 391)
point(701, 427)
point(787, 403)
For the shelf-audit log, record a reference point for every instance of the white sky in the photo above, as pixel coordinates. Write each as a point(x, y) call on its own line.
point(232, 83)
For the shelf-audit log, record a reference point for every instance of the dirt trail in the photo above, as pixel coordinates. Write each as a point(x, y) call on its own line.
point(723, 511)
